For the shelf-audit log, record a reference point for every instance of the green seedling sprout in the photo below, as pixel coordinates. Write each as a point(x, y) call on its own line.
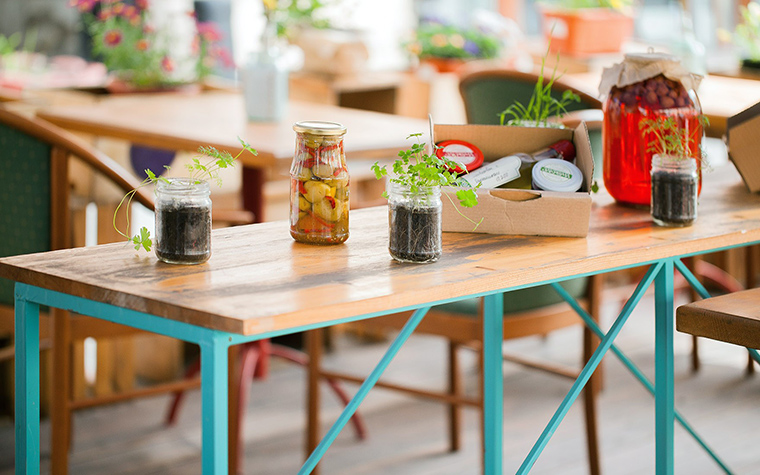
point(417, 169)
point(198, 170)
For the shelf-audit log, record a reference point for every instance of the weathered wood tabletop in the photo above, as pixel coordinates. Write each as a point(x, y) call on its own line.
point(259, 280)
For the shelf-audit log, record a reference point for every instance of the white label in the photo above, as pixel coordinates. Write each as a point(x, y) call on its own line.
point(459, 153)
point(495, 173)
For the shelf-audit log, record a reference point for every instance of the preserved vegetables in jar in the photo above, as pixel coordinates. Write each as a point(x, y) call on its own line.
point(319, 184)
point(654, 85)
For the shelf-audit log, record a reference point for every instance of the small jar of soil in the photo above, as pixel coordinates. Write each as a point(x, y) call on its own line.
point(414, 219)
point(183, 221)
point(675, 182)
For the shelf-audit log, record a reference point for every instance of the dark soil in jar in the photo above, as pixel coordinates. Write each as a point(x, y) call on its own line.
point(674, 198)
point(185, 234)
point(415, 233)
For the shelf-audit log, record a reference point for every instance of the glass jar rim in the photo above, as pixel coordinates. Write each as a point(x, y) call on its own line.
point(674, 161)
point(426, 190)
point(183, 185)
point(319, 127)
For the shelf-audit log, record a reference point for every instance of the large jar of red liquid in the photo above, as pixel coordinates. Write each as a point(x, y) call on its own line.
point(644, 86)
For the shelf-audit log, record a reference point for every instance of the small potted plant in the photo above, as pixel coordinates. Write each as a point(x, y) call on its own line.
point(676, 168)
point(183, 209)
point(583, 27)
point(138, 56)
point(542, 104)
point(414, 202)
point(747, 36)
point(446, 46)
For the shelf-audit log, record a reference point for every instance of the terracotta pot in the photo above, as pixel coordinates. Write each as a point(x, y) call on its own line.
point(444, 65)
point(586, 31)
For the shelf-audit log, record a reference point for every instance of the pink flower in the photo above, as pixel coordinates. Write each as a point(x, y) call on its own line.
point(112, 38)
point(105, 14)
point(83, 5)
point(223, 54)
point(130, 12)
point(141, 4)
point(209, 32)
point(142, 45)
point(167, 64)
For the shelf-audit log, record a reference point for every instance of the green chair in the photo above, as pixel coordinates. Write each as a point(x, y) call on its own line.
point(35, 161)
point(488, 92)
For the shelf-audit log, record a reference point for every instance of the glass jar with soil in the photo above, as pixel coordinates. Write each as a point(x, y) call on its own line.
point(183, 221)
point(414, 219)
point(675, 182)
point(644, 87)
point(319, 184)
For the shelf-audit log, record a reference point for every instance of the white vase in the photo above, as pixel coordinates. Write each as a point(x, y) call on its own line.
point(264, 80)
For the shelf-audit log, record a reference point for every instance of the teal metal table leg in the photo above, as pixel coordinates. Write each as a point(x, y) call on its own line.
point(493, 383)
point(636, 372)
point(664, 371)
point(27, 316)
point(214, 404)
point(364, 389)
point(589, 368)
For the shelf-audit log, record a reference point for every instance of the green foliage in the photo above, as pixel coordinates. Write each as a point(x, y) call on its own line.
point(418, 170)
point(199, 171)
point(578, 4)
point(125, 38)
point(542, 104)
point(438, 40)
point(747, 33)
point(671, 138)
point(9, 44)
point(289, 15)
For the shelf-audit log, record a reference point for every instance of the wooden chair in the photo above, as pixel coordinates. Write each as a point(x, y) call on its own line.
point(37, 216)
point(731, 318)
point(461, 325)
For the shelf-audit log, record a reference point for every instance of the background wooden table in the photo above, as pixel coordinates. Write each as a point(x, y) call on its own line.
point(188, 121)
point(721, 97)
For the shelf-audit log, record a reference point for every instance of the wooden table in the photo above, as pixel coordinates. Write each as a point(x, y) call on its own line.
point(259, 283)
point(188, 121)
point(721, 97)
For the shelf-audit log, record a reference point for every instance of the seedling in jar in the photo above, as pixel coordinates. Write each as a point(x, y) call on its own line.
point(417, 169)
point(671, 138)
point(198, 170)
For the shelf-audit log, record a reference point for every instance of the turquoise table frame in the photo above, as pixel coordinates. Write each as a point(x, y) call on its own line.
point(214, 369)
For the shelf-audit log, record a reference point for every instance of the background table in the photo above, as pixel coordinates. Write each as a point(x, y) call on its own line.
point(259, 283)
point(217, 119)
point(721, 97)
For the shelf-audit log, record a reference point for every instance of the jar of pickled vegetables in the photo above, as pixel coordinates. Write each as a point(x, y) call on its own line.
point(643, 86)
point(319, 184)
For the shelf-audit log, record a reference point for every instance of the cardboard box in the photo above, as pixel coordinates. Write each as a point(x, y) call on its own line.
point(743, 142)
point(525, 212)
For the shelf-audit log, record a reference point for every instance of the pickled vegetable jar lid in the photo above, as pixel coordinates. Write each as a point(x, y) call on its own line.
point(464, 153)
point(319, 127)
point(554, 174)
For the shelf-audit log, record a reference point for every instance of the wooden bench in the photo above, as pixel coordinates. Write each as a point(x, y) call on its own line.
point(732, 318)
